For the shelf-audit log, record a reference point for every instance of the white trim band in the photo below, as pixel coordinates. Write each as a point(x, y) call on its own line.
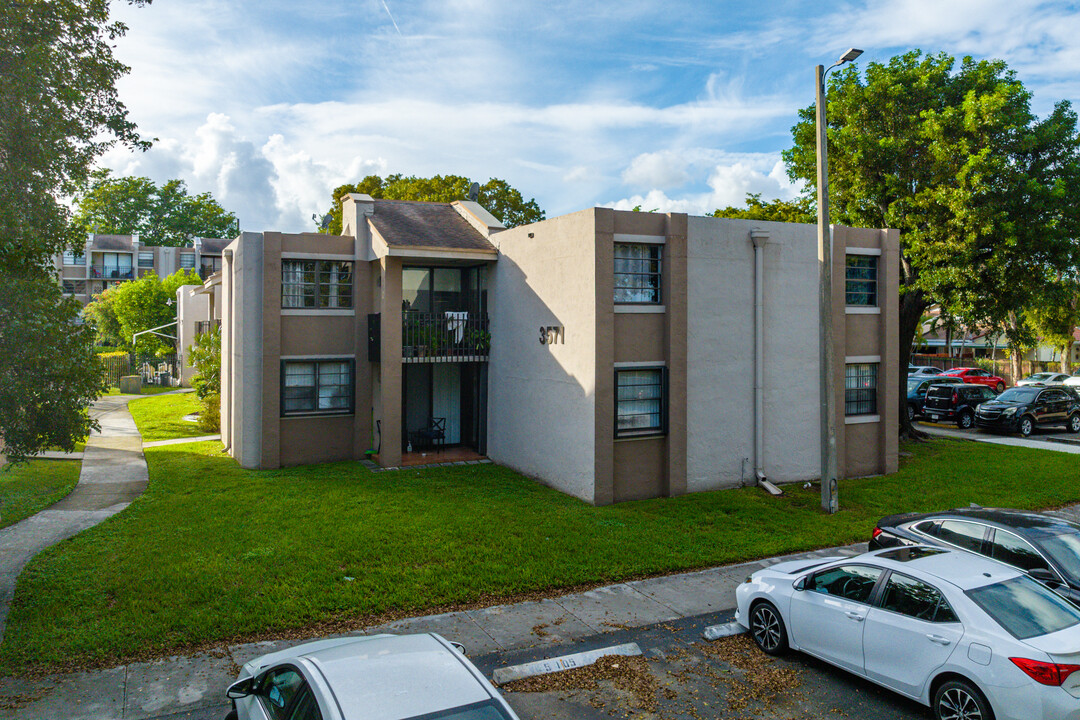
point(316, 256)
point(628, 238)
point(339, 312)
point(862, 359)
point(336, 356)
point(862, 251)
point(636, 364)
point(861, 419)
point(861, 310)
point(641, 309)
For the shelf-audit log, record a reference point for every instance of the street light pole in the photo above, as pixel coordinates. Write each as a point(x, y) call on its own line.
point(830, 501)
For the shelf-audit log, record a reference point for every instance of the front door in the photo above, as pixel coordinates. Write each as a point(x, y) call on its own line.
point(827, 616)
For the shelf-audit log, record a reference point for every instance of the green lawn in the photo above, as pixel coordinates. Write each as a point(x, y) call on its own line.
point(32, 486)
point(212, 552)
point(162, 418)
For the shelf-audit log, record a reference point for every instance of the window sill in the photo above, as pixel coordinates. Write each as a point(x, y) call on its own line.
point(640, 309)
point(319, 311)
point(300, 416)
point(861, 310)
point(861, 419)
point(642, 435)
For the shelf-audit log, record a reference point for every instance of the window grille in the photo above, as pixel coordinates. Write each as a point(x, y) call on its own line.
point(640, 405)
point(860, 389)
point(637, 272)
point(860, 280)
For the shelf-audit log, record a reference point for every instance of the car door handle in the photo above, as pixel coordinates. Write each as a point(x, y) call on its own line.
point(857, 617)
point(938, 639)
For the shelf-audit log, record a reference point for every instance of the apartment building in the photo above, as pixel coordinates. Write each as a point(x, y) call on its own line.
point(108, 260)
point(612, 355)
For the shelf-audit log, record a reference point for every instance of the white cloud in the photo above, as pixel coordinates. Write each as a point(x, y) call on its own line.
point(666, 169)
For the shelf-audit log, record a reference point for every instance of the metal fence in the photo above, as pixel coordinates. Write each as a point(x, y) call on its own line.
point(158, 369)
point(1001, 367)
point(450, 337)
point(116, 366)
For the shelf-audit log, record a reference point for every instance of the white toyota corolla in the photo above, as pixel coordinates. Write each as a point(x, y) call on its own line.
point(968, 636)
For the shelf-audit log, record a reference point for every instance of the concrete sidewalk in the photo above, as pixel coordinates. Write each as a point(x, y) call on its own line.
point(113, 474)
point(197, 684)
point(1065, 445)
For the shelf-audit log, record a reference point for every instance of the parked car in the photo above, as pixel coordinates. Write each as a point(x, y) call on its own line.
point(1044, 378)
point(966, 635)
point(978, 376)
point(955, 403)
point(916, 391)
point(1073, 379)
point(1043, 546)
point(389, 677)
point(1023, 409)
point(923, 370)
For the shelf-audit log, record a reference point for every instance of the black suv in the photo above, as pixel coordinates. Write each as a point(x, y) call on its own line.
point(955, 403)
point(1021, 409)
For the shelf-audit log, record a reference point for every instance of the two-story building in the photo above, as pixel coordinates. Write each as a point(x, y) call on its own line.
point(612, 355)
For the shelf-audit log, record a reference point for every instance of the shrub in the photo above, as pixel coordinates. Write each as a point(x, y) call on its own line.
point(210, 415)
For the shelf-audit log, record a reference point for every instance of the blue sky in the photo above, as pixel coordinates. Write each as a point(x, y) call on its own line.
point(676, 105)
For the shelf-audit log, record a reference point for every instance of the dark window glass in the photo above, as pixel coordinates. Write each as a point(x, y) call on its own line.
point(316, 284)
point(278, 689)
point(305, 707)
point(639, 406)
point(853, 582)
point(860, 389)
point(317, 387)
point(1008, 548)
point(910, 597)
point(1025, 608)
point(965, 535)
point(146, 259)
point(1064, 550)
point(484, 710)
point(929, 527)
point(637, 272)
point(860, 280)
point(1020, 395)
point(187, 260)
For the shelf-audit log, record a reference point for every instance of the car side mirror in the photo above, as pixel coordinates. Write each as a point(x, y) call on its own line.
point(1044, 576)
point(241, 688)
point(800, 584)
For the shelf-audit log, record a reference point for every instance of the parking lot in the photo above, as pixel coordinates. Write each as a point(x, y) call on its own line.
point(680, 675)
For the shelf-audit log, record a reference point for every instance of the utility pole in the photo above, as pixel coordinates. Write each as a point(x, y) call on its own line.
point(830, 501)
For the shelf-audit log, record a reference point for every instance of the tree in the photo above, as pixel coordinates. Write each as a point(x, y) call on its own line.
point(1055, 316)
point(501, 200)
point(59, 111)
point(985, 194)
point(800, 210)
point(137, 305)
point(161, 216)
point(49, 378)
point(205, 357)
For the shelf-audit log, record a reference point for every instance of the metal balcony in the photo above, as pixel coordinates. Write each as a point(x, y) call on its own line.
point(112, 272)
point(446, 337)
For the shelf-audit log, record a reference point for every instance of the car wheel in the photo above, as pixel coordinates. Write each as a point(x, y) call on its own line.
point(767, 628)
point(1026, 426)
point(965, 420)
point(959, 700)
point(1000, 388)
point(232, 716)
point(910, 412)
point(1074, 424)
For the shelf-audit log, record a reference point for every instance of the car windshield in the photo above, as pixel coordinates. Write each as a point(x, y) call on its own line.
point(485, 710)
point(1064, 550)
point(1040, 376)
point(1024, 608)
point(1018, 395)
point(913, 383)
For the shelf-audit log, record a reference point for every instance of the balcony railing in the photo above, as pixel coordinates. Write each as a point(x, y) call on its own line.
point(447, 337)
point(112, 272)
point(205, 326)
point(205, 272)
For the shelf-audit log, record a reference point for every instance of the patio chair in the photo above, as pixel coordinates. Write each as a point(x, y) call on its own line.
point(434, 435)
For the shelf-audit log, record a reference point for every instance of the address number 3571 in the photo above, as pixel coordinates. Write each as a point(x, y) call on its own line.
point(552, 335)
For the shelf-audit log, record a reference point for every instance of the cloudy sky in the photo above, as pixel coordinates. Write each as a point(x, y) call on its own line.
point(680, 105)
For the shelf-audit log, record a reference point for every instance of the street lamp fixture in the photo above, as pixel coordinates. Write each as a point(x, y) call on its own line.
point(830, 501)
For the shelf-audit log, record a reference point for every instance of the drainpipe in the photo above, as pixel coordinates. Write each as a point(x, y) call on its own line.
point(760, 238)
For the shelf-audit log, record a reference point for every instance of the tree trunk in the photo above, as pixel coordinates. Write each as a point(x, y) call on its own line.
point(1014, 356)
point(1065, 351)
point(912, 306)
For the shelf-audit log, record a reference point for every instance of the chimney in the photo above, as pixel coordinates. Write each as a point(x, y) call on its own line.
point(355, 210)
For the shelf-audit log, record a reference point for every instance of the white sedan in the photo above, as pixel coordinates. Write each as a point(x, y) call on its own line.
point(378, 677)
point(970, 637)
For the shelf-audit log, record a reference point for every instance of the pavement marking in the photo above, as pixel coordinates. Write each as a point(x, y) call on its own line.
point(715, 632)
point(503, 675)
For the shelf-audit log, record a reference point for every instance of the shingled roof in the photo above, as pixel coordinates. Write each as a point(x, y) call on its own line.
point(112, 242)
point(426, 225)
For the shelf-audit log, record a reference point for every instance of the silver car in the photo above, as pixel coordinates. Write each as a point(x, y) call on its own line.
point(389, 677)
point(1043, 378)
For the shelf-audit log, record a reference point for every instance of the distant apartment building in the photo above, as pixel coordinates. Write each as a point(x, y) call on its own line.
point(107, 260)
point(612, 355)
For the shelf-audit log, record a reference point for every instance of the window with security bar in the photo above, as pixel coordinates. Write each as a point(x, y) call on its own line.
point(641, 402)
point(861, 280)
point(860, 389)
point(637, 272)
point(316, 284)
point(317, 387)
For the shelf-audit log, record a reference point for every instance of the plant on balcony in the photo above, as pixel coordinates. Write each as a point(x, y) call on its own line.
point(477, 339)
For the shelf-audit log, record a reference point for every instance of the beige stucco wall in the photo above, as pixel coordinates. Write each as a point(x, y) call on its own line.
point(190, 309)
point(542, 398)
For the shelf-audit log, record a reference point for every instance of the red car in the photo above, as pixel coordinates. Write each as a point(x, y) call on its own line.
point(978, 376)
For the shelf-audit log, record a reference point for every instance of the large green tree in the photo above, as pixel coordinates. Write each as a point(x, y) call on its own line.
point(165, 215)
point(59, 111)
point(800, 210)
point(137, 305)
point(497, 196)
point(985, 194)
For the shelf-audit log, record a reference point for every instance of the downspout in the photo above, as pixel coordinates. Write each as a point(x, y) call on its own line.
point(760, 237)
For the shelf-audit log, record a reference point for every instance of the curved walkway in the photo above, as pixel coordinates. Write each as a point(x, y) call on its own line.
point(113, 474)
